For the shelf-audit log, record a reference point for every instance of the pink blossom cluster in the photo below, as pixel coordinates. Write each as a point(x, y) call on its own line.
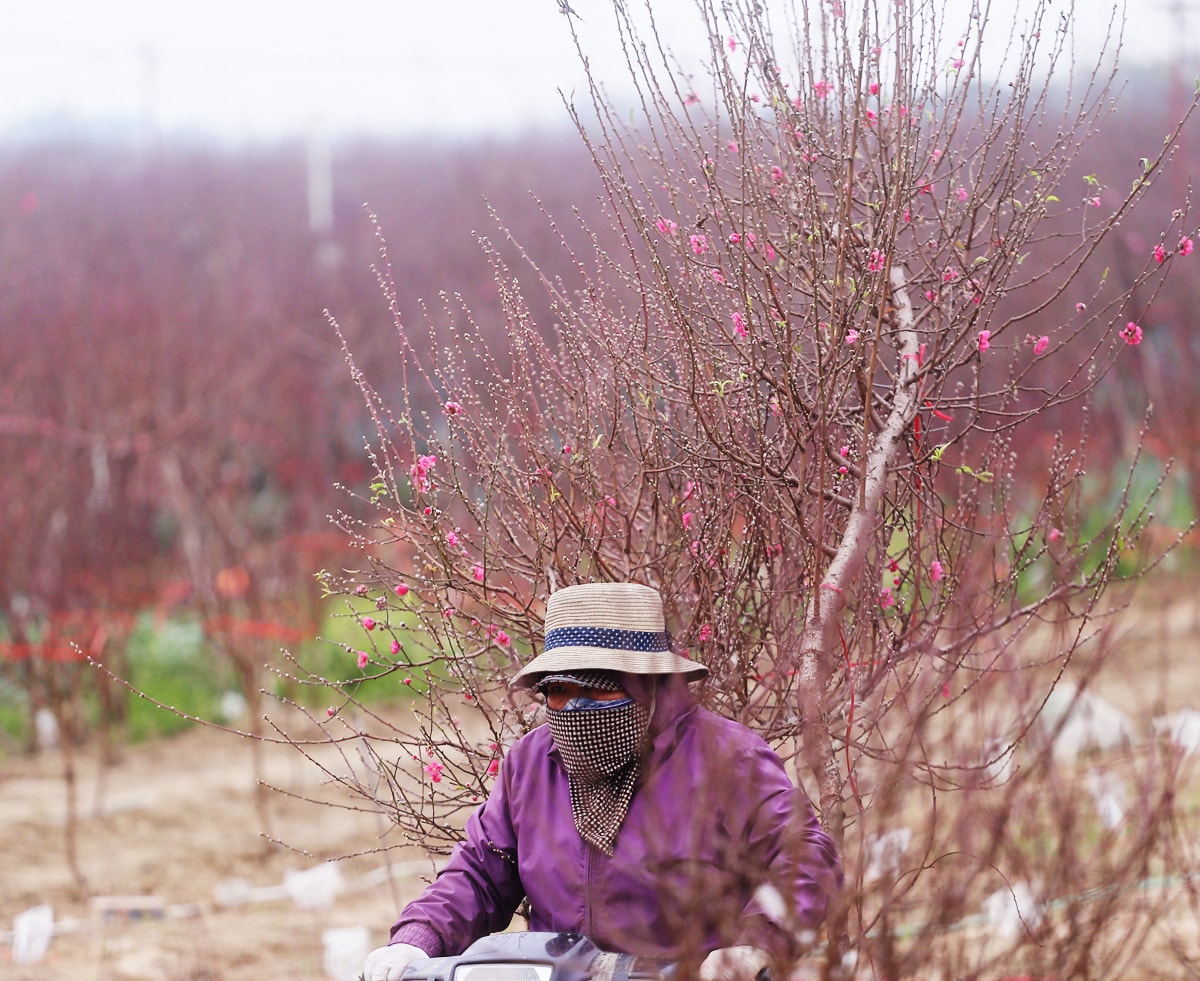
point(498, 635)
point(419, 472)
point(1131, 334)
point(1185, 247)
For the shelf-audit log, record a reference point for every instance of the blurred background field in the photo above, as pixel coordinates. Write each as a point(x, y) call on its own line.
point(183, 869)
point(178, 424)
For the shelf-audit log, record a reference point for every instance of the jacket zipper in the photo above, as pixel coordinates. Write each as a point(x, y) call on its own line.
point(588, 925)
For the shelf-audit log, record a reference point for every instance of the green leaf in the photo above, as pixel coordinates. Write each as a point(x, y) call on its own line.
point(983, 476)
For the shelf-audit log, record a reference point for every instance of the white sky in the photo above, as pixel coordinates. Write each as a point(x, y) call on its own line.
point(265, 68)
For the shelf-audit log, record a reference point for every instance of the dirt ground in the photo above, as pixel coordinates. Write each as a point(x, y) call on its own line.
point(171, 842)
point(174, 823)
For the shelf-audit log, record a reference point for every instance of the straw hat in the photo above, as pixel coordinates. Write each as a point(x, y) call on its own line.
point(613, 626)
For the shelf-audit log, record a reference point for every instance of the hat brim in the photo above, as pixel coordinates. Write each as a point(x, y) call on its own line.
point(567, 659)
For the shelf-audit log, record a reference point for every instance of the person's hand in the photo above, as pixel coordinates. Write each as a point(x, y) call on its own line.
point(733, 964)
point(388, 963)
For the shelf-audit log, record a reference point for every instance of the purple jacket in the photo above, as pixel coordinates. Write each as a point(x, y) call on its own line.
point(714, 817)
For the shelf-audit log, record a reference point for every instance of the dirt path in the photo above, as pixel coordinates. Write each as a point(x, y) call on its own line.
point(177, 821)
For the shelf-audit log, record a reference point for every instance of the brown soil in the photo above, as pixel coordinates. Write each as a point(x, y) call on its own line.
point(177, 821)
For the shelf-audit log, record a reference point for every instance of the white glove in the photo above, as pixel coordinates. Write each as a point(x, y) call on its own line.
point(389, 963)
point(733, 964)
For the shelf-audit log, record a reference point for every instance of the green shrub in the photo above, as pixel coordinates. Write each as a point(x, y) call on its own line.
point(171, 663)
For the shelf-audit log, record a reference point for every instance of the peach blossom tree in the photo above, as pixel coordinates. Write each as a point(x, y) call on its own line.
point(824, 381)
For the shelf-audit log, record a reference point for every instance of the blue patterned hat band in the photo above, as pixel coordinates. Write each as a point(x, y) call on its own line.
point(611, 638)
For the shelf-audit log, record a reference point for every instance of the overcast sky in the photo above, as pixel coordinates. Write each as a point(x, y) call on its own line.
point(265, 68)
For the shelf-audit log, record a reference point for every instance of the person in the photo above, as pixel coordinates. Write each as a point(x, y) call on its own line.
point(633, 816)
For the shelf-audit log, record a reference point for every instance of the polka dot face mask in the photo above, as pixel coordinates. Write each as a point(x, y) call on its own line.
point(600, 743)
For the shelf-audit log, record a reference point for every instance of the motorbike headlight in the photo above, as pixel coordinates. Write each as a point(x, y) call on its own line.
point(503, 971)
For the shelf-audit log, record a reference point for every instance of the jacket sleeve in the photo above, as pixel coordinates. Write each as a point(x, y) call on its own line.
point(478, 890)
point(802, 872)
